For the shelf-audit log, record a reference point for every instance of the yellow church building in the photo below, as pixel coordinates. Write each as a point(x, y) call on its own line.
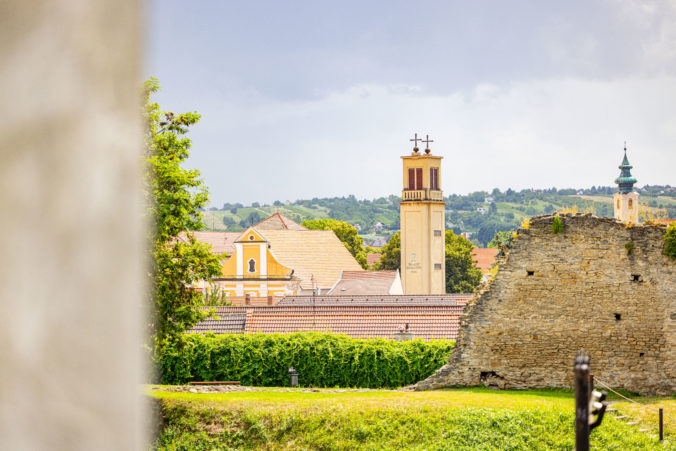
point(278, 257)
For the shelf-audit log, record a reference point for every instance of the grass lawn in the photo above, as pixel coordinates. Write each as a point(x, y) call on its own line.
point(462, 419)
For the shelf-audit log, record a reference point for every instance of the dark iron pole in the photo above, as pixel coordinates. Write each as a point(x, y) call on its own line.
point(661, 425)
point(582, 430)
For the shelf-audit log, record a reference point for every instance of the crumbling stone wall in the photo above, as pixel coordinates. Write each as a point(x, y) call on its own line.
point(557, 293)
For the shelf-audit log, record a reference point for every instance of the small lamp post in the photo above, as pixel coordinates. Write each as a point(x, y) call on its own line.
point(293, 377)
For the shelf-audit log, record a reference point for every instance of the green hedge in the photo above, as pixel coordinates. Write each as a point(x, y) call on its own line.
point(322, 360)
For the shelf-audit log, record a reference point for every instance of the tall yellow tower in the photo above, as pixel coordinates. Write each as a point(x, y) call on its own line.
point(626, 200)
point(423, 263)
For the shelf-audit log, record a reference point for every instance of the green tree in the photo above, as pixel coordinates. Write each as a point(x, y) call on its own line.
point(670, 241)
point(488, 230)
point(174, 197)
point(462, 275)
point(346, 233)
point(390, 258)
point(502, 241)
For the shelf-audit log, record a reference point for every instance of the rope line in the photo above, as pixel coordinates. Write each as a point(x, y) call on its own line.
point(596, 379)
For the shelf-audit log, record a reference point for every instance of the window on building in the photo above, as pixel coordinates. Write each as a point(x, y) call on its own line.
point(437, 233)
point(415, 181)
point(631, 204)
point(252, 265)
point(618, 204)
point(434, 178)
point(437, 266)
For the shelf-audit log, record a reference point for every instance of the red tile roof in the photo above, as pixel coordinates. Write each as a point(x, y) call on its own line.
point(370, 300)
point(373, 258)
point(221, 242)
point(365, 283)
point(484, 257)
point(359, 321)
point(278, 222)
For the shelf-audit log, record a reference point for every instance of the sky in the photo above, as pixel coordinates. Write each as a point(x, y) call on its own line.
point(303, 99)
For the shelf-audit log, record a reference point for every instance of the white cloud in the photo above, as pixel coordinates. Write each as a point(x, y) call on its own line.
point(564, 133)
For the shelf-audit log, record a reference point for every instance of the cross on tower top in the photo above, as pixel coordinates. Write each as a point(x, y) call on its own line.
point(427, 142)
point(415, 142)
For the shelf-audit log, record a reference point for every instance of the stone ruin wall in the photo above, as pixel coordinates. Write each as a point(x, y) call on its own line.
point(557, 293)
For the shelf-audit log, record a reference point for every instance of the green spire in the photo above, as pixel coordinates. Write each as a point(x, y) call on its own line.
point(625, 180)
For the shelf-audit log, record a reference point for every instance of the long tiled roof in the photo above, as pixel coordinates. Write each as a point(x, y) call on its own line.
point(309, 253)
point(225, 323)
point(365, 282)
point(370, 300)
point(221, 242)
point(359, 321)
point(278, 222)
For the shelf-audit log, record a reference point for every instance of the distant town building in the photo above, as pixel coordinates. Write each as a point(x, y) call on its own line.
point(626, 200)
point(379, 226)
point(489, 200)
point(423, 265)
point(482, 210)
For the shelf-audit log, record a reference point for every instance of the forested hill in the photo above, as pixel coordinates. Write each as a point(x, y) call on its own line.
point(479, 214)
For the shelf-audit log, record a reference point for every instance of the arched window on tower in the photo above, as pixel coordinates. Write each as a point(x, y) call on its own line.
point(618, 204)
point(252, 265)
point(631, 204)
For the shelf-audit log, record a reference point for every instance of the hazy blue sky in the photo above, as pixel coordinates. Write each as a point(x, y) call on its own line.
point(316, 98)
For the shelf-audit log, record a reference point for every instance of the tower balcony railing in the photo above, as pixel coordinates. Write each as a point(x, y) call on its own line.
point(422, 194)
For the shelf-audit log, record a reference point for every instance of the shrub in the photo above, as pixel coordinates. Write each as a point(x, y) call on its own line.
point(670, 241)
point(629, 247)
point(525, 224)
point(557, 225)
point(322, 360)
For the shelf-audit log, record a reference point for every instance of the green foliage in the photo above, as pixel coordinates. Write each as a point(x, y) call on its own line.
point(629, 247)
point(462, 275)
point(557, 225)
point(346, 233)
point(435, 420)
point(502, 240)
point(390, 258)
point(670, 241)
point(174, 196)
point(322, 360)
point(488, 230)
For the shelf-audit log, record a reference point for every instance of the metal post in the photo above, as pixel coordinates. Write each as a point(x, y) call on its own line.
point(591, 383)
point(293, 377)
point(661, 425)
point(582, 430)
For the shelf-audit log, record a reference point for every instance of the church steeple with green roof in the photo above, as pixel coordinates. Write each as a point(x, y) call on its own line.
point(625, 180)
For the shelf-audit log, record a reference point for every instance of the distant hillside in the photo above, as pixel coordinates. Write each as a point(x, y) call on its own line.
point(479, 214)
